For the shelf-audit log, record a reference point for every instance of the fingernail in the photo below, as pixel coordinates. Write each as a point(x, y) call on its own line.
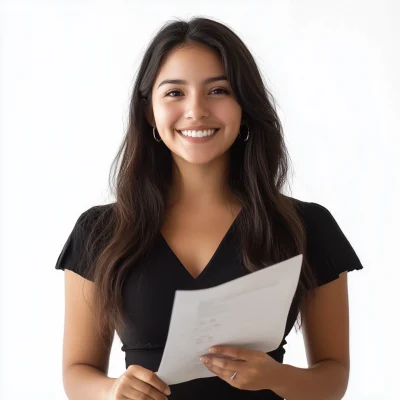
point(167, 391)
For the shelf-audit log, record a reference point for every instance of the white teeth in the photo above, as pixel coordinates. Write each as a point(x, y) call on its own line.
point(199, 133)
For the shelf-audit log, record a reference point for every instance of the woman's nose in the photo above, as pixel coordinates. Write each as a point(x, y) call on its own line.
point(197, 108)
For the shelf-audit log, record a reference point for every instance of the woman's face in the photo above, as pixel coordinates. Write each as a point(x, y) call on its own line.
point(196, 104)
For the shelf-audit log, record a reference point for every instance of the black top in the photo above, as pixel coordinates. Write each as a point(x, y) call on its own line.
point(149, 290)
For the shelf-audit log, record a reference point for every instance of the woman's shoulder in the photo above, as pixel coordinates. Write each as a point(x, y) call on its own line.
point(75, 254)
point(319, 223)
point(329, 250)
point(94, 215)
point(310, 211)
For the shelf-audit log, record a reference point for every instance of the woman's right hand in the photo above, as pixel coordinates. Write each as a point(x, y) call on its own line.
point(138, 383)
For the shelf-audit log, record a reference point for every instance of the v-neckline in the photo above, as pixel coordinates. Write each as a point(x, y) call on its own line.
point(215, 254)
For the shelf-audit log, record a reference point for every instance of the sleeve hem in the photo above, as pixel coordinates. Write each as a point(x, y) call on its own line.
point(336, 276)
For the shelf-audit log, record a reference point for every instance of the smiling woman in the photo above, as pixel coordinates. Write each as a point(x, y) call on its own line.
point(203, 100)
point(199, 202)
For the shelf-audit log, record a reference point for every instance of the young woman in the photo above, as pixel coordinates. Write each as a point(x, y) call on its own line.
point(199, 202)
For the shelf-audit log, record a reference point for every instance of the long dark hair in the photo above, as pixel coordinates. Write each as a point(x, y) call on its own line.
point(269, 228)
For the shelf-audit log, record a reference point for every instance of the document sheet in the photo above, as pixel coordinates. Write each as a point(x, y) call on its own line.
point(248, 312)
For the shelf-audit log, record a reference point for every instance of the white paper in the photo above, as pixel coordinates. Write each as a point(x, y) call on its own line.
point(248, 312)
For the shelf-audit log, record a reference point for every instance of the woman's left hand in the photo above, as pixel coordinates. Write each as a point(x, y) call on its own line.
point(255, 370)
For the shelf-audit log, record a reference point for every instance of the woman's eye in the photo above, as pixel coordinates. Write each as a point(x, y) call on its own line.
point(177, 91)
point(225, 91)
point(172, 91)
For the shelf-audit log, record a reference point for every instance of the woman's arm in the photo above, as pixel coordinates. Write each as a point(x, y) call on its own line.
point(326, 338)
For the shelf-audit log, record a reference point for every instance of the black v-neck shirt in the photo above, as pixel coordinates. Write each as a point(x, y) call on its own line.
point(149, 290)
point(176, 261)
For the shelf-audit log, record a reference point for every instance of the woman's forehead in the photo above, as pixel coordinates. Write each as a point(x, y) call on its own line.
point(192, 64)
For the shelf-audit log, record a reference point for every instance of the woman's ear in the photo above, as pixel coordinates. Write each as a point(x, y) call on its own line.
point(149, 113)
point(244, 119)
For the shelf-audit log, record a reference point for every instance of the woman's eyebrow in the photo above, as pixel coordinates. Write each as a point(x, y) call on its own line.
point(183, 82)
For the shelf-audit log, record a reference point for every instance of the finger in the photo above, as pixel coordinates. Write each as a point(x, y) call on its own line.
point(149, 377)
point(132, 393)
point(222, 373)
point(235, 352)
point(223, 363)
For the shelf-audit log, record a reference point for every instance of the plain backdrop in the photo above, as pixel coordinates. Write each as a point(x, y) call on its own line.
point(66, 73)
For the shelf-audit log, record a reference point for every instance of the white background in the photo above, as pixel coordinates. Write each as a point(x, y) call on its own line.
point(66, 74)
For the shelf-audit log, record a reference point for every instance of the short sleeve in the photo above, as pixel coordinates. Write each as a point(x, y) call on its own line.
point(328, 250)
point(74, 254)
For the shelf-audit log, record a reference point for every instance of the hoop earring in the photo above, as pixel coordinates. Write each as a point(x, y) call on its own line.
point(154, 135)
point(248, 134)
